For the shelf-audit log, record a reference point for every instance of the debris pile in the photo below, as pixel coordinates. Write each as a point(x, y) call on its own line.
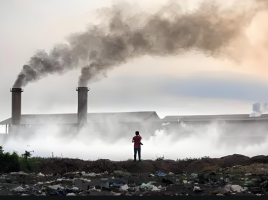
point(147, 178)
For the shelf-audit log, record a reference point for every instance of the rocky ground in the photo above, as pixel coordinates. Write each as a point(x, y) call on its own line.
point(231, 175)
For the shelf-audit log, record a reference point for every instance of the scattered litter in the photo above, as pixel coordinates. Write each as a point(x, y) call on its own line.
point(124, 187)
point(75, 188)
point(160, 174)
point(155, 188)
point(18, 173)
point(197, 189)
point(236, 188)
point(71, 194)
point(40, 174)
point(55, 187)
point(194, 175)
point(116, 185)
point(146, 186)
point(18, 189)
point(60, 192)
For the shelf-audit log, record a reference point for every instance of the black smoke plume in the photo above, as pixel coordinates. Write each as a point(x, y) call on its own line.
point(209, 29)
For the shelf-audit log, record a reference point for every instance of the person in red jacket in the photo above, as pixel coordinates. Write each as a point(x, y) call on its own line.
point(137, 145)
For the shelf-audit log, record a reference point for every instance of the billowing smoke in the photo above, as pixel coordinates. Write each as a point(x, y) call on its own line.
point(60, 60)
point(258, 109)
point(209, 29)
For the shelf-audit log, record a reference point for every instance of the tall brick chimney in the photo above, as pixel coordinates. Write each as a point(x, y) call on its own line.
point(82, 105)
point(16, 105)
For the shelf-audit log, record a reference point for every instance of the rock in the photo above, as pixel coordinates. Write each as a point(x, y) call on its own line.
point(170, 173)
point(236, 188)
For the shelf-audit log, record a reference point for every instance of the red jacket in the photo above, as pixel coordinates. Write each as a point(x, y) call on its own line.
point(137, 140)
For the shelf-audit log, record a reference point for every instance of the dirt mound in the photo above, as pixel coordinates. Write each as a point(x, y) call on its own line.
point(70, 165)
point(258, 159)
point(102, 165)
point(61, 166)
point(148, 166)
point(235, 159)
point(200, 165)
point(138, 167)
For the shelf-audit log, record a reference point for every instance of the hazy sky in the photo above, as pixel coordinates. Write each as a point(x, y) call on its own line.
point(189, 84)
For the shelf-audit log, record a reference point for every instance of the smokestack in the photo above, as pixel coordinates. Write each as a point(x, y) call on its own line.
point(16, 105)
point(82, 105)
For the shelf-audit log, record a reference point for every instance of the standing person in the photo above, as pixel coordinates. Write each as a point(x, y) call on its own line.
point(137, 145)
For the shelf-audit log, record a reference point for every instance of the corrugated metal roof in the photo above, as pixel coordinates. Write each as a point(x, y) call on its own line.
point(92, 118)
point(236, 117)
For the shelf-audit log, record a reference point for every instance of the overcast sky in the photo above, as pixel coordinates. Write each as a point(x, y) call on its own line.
point(188, 84)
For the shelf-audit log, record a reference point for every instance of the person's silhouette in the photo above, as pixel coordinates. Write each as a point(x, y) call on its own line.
point(137, 145)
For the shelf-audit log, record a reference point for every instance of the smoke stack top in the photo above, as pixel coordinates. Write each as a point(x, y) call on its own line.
point(16, 105)
point(209, 29)
point(82, 105)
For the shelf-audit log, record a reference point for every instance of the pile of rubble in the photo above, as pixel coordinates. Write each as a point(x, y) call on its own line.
point(147, 178)
point(120, 183)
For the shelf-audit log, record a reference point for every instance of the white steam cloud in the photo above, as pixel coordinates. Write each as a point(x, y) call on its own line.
point(180, 141)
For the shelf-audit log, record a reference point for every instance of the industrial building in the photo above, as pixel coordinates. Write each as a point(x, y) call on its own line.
point(146, 122)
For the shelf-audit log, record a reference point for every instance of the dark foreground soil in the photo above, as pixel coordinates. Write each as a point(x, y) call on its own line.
point(226, 176)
